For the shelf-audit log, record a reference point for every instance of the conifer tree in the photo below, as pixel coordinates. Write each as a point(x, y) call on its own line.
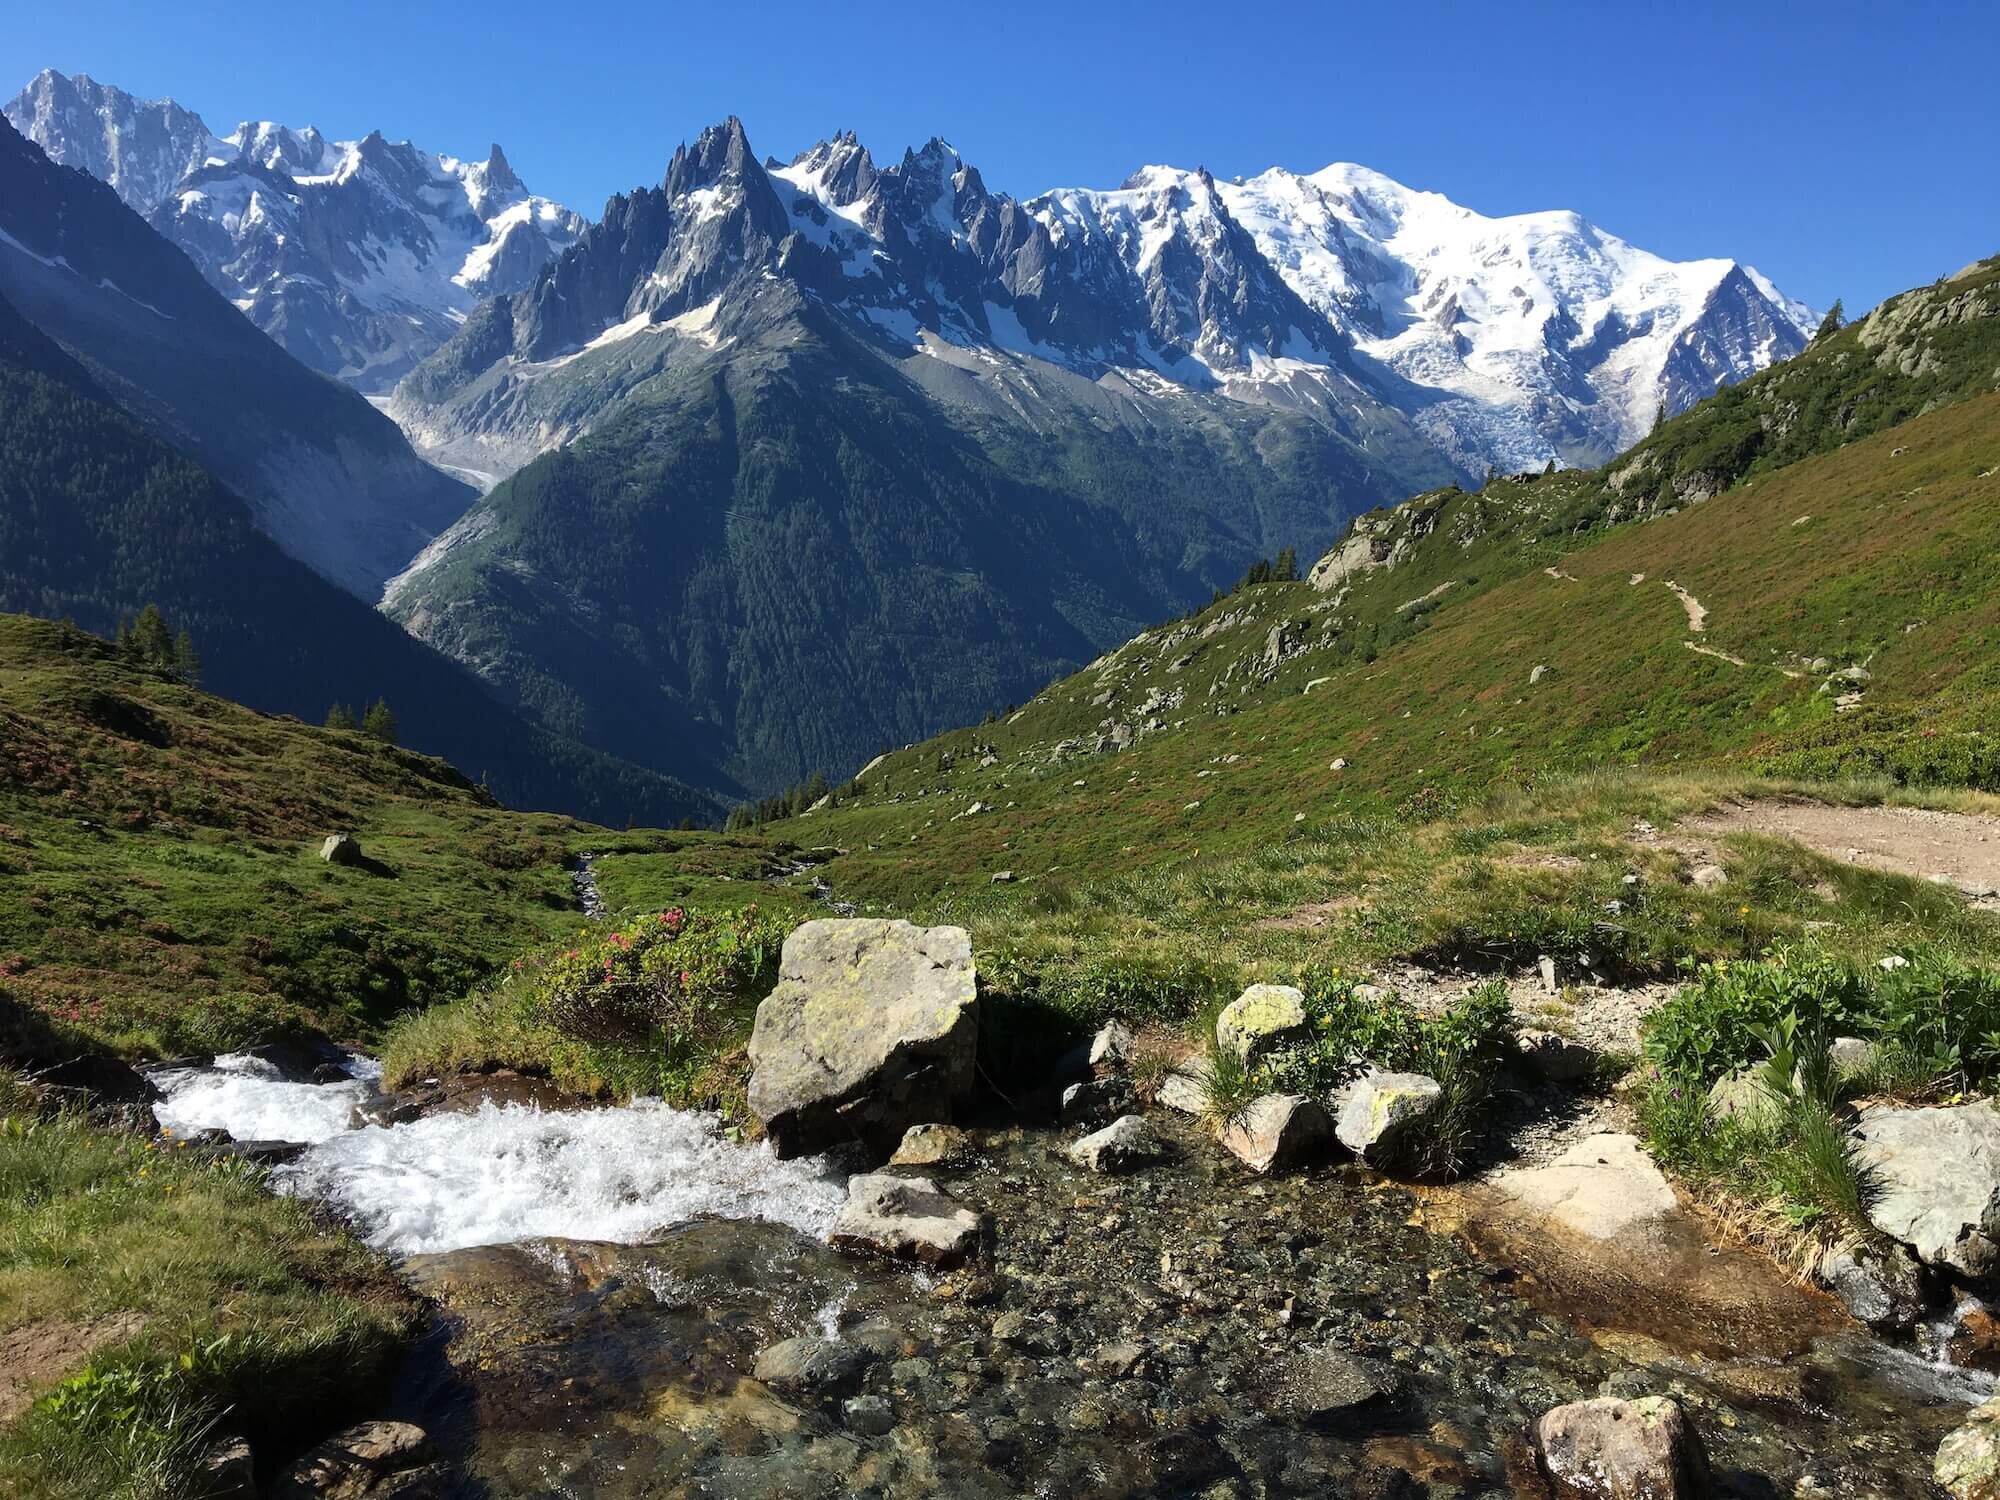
point(151, 638)
point(187, 665)
point(379, 723)
point(1836, 315)
point(340, 716)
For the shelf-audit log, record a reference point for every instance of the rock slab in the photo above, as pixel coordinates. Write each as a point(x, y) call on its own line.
point(1601, 1187)
point(908, 1218)
point(872, 1028)
point(1968, 1460)
point(1937, 1174)
point(1609, 1449)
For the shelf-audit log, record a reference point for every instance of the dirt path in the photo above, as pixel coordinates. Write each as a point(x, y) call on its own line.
point(37, 1355)
point(1962, 848)
point(1697, 612)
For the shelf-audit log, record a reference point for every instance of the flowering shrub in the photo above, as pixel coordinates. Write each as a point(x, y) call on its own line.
point(670, 975)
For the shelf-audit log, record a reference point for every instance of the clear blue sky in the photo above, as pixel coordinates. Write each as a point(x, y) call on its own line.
point(1848, 150)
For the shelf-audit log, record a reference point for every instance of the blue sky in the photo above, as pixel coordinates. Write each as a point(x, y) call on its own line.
point(1847, 150)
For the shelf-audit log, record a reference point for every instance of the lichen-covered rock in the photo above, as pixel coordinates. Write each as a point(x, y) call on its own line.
point(871, 1029)
point(1186, 1088)
point(1382, 1116)
point(1968, 1460)
point(1937, 1172)
point(908, 1218)
point(1744, 1098)
point(1278, 1132)
point(1609, 1449)
point(1261, 1020)
point(1124, 1145)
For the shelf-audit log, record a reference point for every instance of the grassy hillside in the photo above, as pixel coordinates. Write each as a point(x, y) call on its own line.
point(160, 882)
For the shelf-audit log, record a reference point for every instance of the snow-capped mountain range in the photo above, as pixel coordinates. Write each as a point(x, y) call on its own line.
point(359, 257)
point(1503, 341)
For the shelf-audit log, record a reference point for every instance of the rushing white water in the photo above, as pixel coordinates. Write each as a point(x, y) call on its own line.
point(246, 1097)
point(506, 1173)
point(510, 1173)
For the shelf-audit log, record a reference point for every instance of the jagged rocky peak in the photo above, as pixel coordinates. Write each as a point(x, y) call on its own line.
point(141, 147)
point(841, 168)
point(297, 153)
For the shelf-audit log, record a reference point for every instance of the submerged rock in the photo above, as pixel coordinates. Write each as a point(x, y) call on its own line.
point(1261, 1020)
point(908, 1218)
point(1322, 1382)
point(375, 1461)
point(1937, 1172)
point(1602, 1187)
point(1382, 1116)
point(871, 1029)
point(1609, 1449)
point(811, 1365)
point(1277, 1132)
point(1098, 1101)
point(1124, 1145)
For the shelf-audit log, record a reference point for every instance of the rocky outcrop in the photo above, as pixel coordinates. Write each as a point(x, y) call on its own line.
point(1124, 1145)
point(1609, 1449)
point(907, 1218)
point(1383, 1115)
point(1937, 1175)
point(1278, 1132)
point(1262, 1020)
point(1968, 1460)
point(871, 1029)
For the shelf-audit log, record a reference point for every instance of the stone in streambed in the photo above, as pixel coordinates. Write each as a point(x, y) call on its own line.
point(1968, 1460)
point(1609, 1449)
point(1555, 1058)
point(811, 1366)
point(871, 1029)
point(1880, 1285)
point(1098, 1101)
point(1277, 1132)
point(1325, 1382)
point(908, 1218)
point(374, 1461)
point(1124, 1145)
point(943, 1146)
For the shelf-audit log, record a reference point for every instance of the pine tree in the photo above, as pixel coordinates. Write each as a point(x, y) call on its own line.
point(1659, 415)
point(340, 716)
point(1836, 315)
point(379, 723)
point(153, 641)
point(187, 665)
point(1287, 568)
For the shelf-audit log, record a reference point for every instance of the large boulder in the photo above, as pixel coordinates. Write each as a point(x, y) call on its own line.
point(340, 849)
point(1609, 1449)
point(1262, 1020)
point(1277, 1132)
point(1937, 1176)
point(907, 1218)
point(1383, 1115)
point(1882, 1286)
point(375, 1461)
point(872, 1028)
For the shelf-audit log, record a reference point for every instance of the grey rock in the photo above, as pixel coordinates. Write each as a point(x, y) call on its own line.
point(1710, 877)
point(1851, 1056)
point(1937, 1172)
point(1537, 675)
point(1263, 1019)
point(1555, 1058)
point(871, 1029)
point(871, 1416)
point(1608, 1449)
point(1001, 877)
point(228, 1472)
point(1881, 1286)
point(340, 849)
point(1115, 1360)
point(1124, 1145)
point(1185, 1089)
point(908, 1218)
point(1098, 1101)
point(1278, 1132)
point(1603, 1187)
point(1382, 1116)
point(1111, 1049)
point(810, 1365)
